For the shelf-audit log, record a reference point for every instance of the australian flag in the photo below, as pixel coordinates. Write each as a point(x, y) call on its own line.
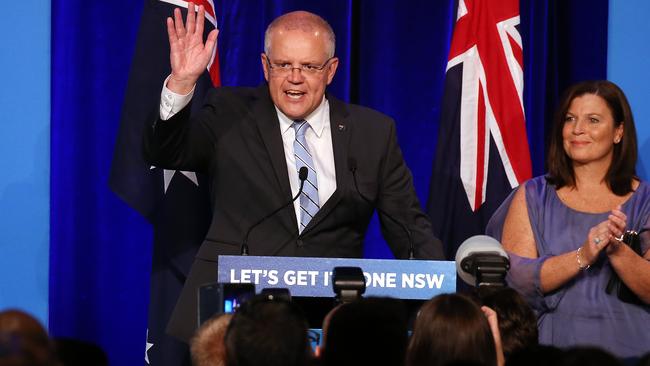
point(482, 151)
point(175, 202)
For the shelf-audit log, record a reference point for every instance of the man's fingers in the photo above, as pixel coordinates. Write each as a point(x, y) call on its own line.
point(178, 23)
point(171, 32)
point(200, 21)
point(211, 41)
point(191, 18)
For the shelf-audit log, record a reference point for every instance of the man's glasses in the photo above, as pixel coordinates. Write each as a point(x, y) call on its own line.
point(285, 68)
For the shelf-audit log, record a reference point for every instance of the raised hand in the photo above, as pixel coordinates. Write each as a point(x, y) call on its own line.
point(188, 54)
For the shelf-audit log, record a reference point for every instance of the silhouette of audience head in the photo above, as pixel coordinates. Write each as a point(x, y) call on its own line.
point(208, 347)
point(265, 332)
point(644, 360)
point(451, 328)
point(538, 355)
point(585, 355)
point(517, 321)
point(74, 352)
point(24, 341)
point(370, 331)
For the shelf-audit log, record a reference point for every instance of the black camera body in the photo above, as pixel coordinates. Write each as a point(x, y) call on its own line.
point(216, 298)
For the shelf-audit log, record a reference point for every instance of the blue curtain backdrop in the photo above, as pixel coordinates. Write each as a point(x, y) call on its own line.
point(393, 56)
point(100, 248)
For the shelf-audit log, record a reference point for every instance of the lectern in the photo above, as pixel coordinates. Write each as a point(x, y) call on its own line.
point(309, 279)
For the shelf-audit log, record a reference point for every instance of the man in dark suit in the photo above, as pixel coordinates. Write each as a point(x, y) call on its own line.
point(252, 142)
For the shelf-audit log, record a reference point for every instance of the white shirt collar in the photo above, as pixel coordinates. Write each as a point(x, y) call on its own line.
point(316, 118)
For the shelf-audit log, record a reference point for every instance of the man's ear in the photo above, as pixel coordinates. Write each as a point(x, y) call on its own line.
point(331, 70)
point(265, 66)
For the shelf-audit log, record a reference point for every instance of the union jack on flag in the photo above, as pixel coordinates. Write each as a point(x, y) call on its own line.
point(487, 42)
point(482, 151)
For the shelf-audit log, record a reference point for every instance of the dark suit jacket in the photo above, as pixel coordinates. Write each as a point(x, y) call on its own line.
point(236, 140)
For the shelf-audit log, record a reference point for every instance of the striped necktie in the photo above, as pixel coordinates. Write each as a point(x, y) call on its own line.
point(309, 198)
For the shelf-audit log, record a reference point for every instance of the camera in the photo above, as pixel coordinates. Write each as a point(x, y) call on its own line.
point(216, 298)
point(482, 262)
point(348, 283)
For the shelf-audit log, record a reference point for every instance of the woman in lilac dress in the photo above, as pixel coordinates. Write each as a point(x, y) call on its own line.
point(561, 230)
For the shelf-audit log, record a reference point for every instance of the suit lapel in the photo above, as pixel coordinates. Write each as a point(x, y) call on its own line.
point(266, 118)
point(340, 127)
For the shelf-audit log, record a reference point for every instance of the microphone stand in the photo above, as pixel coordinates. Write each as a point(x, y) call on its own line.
point(302, 175)
point(352, 166)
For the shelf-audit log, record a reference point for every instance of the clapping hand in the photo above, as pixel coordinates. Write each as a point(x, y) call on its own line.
point(189, 56)
point(606, 235)
point(617, 222)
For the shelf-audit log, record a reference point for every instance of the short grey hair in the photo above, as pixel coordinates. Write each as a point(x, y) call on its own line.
point(304, 21)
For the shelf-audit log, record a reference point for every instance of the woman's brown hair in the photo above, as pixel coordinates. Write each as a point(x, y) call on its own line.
point(622, 170)
point(451, 328)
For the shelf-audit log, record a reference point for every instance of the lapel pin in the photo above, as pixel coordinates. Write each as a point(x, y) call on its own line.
point(341, 127)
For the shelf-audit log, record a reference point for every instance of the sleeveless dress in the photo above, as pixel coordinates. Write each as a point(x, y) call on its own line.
point(580, 312)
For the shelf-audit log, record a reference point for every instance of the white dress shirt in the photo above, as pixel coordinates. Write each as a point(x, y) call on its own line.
point(318, 136)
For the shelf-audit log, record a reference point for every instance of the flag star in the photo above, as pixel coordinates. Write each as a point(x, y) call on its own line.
point(169, 174)
point(147, 348)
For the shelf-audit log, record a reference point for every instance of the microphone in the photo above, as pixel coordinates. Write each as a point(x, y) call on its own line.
point(302, 175)
point(352, 166)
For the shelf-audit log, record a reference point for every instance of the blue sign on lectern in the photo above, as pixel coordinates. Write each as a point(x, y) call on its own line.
point(311, 277)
